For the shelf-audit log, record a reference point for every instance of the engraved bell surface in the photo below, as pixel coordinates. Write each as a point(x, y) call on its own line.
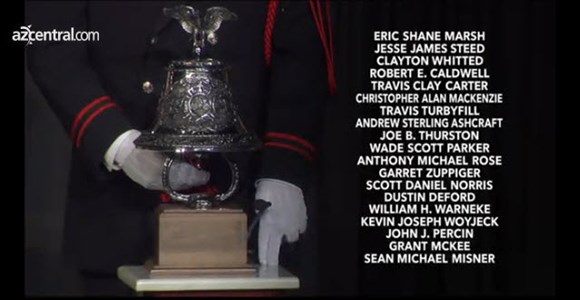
point(196, 113)
point(197, 102)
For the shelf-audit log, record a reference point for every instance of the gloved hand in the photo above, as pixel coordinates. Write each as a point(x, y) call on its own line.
point(145, 167)
point(286, 217)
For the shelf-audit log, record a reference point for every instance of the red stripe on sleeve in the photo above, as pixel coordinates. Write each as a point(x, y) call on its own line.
point(82, 113)
point(90, 119)
point(290, 147)
point(293, 138)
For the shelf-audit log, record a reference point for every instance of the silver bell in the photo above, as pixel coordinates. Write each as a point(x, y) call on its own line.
point(195, 114)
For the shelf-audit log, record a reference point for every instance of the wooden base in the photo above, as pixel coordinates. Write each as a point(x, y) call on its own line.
point(156, 271)
point(190, 240)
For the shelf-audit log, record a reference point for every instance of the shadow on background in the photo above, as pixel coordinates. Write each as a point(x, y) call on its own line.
point(47, 153)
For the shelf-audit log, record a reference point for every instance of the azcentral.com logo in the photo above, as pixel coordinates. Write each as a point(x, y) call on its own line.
point(26, 34)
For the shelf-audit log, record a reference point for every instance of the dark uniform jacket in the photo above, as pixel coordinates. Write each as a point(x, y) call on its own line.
point(100, 89)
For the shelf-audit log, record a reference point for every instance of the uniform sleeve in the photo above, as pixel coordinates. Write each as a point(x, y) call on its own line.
point(298, 90)
point(62, 70)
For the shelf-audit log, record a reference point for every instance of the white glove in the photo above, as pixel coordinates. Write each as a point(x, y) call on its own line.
point(285, 217)
point(145, 167)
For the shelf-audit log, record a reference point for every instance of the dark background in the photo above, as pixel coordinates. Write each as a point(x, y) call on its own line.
point(521, 60)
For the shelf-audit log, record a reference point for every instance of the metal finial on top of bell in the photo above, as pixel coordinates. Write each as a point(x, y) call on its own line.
point(195, 114)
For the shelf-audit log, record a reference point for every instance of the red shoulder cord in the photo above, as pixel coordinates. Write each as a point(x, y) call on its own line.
point(269, 30)
point(327, 43)
point(327, 40)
